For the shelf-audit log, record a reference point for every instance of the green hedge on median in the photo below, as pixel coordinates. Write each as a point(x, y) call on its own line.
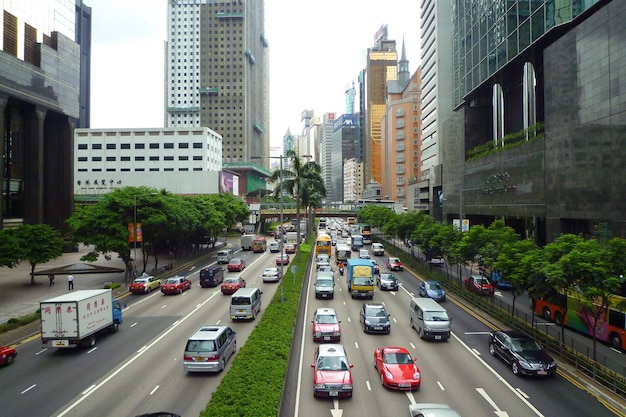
point(254, 384)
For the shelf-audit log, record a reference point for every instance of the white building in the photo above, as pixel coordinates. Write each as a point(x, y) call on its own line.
point(182, 161)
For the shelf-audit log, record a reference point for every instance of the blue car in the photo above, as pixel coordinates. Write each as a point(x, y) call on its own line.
point(499, 281)
point(432, 289)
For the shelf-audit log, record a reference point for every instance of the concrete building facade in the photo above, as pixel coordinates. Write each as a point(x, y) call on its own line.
point(217, 73)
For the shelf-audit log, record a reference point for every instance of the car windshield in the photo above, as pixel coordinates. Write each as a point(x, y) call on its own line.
point(332, 363)
point(524, 345)
point(235, 261)
point(200, 346)
point(326, 319)
point(172, 281)
point(375, 312)
point(391, 278)
point(324, 283)
point(482, 281)
point(397, 358)
point(433, 286)
point(325, 268)
point(435, 316)
point(363, 281)
point(271, 271)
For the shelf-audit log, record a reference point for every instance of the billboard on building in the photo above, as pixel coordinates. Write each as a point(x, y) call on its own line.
point(226, 182)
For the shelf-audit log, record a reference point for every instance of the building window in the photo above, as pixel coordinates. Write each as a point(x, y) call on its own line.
point(154, 158)
point(82, 159)
point(140, 146)
point(183, 145)
point(183, 158)
point(139, 169)
point(197, 145)
point(125, 146)
point(168, 169)
point(125, 169)
point(111, 169)
point(154, 146)
point(154, 169)
point(183, 169)
point(197, 157)
point(168, 158)
point(111, 146)
point(96, 159)
point(96, 146)
point(111, 159)
point(82, 146)
point(125, 158)
point(140, 158)
point(168, 145)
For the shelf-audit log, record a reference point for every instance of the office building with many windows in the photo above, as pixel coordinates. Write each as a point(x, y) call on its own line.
point(44, 86)
point(537, 137)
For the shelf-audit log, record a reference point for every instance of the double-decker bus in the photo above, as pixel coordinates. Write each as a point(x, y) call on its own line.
point(611, 326)
point(365, 230)
point(259, 244)
point(323, 245)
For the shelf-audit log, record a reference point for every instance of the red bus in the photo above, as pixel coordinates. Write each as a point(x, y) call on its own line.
point(259, 244)
point(611, 326)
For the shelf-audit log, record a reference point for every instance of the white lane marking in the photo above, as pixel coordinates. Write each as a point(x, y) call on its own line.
point(440, 386)
point(154, 390)
point(28, 389)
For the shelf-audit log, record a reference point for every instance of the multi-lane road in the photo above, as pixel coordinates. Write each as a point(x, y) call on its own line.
point(139, 369)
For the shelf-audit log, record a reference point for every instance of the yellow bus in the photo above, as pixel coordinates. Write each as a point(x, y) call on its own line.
point(323, 245)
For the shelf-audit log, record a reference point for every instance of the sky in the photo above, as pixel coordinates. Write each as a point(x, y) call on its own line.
point(316, 49)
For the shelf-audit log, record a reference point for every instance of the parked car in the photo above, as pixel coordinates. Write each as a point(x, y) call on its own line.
point(395, 264)
point(282, 259)
point(387, 282)
point(524, 354)
point(431, 410)
point(479, 285)
point(271, 275)
point(332, 375)
point(374, 318)
point(290, 248)
point(175, 285)
point(144, 284)
point(326, 325)
point(397, 369)
point(232, 284)
point(236, 265)
point(431, 289)
point(7, 355)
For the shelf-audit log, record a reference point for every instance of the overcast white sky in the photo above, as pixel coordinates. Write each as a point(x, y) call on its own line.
point(314, 53)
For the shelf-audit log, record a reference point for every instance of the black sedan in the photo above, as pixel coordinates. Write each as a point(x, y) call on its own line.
point(525, 355)
point(374, 318)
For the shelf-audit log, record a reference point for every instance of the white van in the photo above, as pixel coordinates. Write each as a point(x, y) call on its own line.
point(378, 249)
point(245, 304)
point(224, 256)
point(429, 319)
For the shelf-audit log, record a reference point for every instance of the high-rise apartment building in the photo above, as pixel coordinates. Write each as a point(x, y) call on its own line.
point(42, 88)
point(344, 138)
point(381, 67)
point(325, 153)
point(537, 137)
point(217, 73)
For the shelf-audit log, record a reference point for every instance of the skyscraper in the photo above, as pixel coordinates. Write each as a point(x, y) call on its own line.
point(217, 65)
point(381, 67)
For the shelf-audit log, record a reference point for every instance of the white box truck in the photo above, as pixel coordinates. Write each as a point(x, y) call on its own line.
point(74, 319)
point(246, 241)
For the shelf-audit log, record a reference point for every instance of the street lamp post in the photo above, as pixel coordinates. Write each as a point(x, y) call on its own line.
point(281, 228)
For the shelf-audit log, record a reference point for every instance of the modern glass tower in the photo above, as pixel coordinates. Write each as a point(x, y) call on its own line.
point(217, 65)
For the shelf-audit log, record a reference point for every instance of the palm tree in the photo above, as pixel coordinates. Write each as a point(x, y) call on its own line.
point(297, 179)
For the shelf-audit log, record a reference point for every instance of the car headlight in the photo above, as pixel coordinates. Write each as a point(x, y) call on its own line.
point(388, 375)
point(317, 334)
point(525, 364)
point(336, 333)
point(416, 375)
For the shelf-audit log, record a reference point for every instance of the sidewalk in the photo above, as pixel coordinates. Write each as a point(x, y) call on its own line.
point(18, 297)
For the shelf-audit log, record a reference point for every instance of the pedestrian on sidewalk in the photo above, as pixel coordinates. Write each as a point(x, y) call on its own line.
point(70, 282)
point(51, 278)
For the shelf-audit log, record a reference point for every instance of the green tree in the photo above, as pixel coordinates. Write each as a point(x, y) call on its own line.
point(40, 243)
point(376, 215)
point(510, 263)
point(10, 248)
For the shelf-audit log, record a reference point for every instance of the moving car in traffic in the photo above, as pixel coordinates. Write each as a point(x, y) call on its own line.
point(326, 326)
point(397, 369)
point(7, 355)
point(232, 284)
point(332, 375)
point(144, 284)
point(431, 289)
point(387, 282)
point(175, 285)
point(271, 275)
point(236, 265)
point(395, 264)
point(523, 353)
point(374, 318)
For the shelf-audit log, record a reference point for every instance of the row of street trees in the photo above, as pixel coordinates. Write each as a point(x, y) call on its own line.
point(569, 265)
point(169, 223)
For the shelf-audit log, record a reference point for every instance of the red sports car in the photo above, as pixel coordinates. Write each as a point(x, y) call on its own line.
point(332, 377)
point(7, 355)
point(397, 368)
point(232, 284)
point(175, 285)
point(395, 264)
point(236, 265)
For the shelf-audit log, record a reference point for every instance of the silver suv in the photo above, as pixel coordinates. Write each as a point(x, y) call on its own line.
point(324, 286)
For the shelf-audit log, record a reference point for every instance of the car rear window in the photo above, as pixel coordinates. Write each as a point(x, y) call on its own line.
point(240, 301)
point(200, 346)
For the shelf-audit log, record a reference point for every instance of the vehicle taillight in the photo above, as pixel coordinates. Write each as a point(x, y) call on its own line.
point(187, 358)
